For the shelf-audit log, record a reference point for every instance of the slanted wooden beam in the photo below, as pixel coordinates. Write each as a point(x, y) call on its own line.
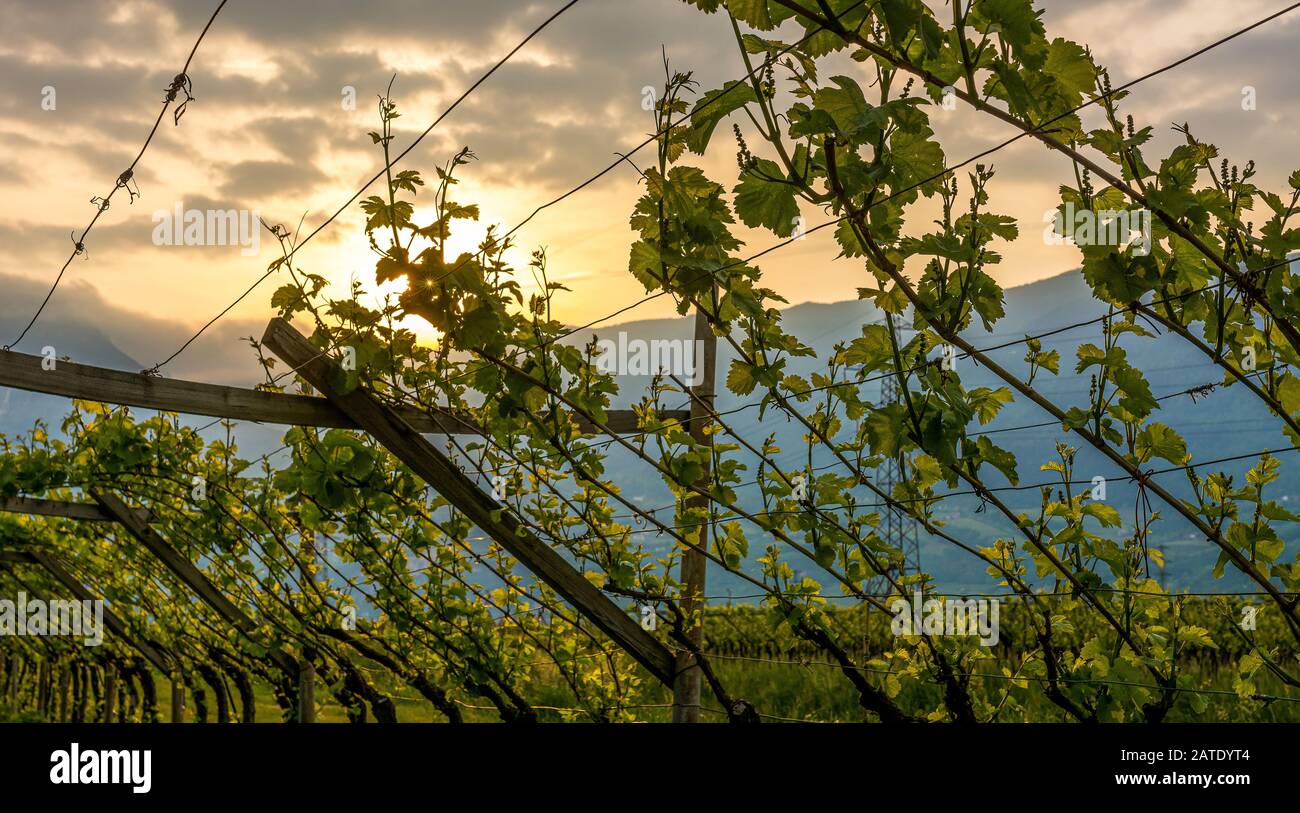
point(390, 429)
point(183, 569)
point(115, 625)
point(76, 588)
point(82, 381)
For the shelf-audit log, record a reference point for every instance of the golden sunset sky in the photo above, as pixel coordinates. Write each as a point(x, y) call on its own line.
point(268, 131)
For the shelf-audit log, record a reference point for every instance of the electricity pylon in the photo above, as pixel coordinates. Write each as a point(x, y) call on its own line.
point(897, 529)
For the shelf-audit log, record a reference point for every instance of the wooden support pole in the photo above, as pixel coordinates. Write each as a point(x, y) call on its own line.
point(15, 666)
point(178, 698)
point(686, 686)
point(110, 692)
point(307, 689)
point(80, 691)
point(388, 427)
point(71, 380)
point(64, 679)
point(42, 685)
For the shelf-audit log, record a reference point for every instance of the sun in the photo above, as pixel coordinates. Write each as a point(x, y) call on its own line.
point(354, 259)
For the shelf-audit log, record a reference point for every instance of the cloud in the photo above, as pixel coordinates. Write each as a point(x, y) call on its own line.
point(71, 29)
point(269, 126)
point(292, 137)
point(256, 179)
point(82, 92)
point(11, 173)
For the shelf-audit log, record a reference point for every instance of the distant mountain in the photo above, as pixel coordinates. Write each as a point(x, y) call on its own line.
point(1225, 423)
point(85, 343)
point(78, 323)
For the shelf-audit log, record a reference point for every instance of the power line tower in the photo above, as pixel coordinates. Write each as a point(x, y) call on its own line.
point(897, 528)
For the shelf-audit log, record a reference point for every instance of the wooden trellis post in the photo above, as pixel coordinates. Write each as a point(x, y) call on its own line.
point(14, 667)
point(389, 428)
point(686, 687)
point(12, 677)
point(110, 691)
point(178, 698)
point(307, 689)
point(84, 511)
point(64, 680)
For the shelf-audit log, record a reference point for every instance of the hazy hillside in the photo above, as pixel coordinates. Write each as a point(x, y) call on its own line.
point(1223, 424)
point(1226, 423)
point(84, 342)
